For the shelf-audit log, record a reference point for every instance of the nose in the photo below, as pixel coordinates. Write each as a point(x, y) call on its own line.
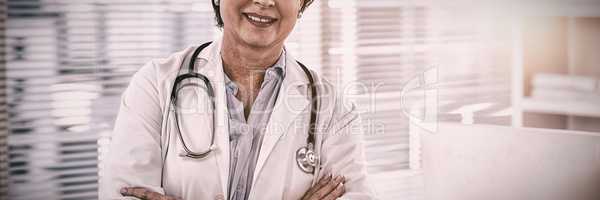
point(264, 3)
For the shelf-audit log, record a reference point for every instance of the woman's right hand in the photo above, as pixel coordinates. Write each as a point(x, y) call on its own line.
point(328, 188)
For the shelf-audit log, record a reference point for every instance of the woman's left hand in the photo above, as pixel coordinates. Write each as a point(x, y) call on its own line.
point(328, 188)
point(145, 194)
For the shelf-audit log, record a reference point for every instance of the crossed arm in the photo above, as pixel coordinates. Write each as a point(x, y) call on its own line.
point(328, 188)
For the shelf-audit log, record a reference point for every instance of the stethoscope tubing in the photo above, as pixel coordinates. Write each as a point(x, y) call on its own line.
point(209, 90)
point(311, 159)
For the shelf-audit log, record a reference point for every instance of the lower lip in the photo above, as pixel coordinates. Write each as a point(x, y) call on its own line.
point(259, 24)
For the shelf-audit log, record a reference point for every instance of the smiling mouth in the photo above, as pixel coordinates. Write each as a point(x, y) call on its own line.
point(259, 20)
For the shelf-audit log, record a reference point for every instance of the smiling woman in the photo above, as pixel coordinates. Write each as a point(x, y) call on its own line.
point(275, 130)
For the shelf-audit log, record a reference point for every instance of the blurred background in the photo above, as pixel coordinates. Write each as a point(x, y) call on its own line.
point(529, 63)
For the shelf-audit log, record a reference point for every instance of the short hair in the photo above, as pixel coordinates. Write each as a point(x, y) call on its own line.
point(219, 20)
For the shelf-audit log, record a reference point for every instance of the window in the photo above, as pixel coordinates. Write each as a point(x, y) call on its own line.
point(3, 107)
point(374, 49)
point(68, 62)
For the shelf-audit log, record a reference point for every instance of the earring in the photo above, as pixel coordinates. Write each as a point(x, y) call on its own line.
point(216, 2)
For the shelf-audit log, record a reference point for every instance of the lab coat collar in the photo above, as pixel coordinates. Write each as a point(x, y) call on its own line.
point(294, 74)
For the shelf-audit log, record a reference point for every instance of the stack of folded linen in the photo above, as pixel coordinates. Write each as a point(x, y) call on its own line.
point(560, 87)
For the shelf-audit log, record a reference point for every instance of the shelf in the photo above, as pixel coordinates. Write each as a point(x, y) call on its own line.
point(573, 108)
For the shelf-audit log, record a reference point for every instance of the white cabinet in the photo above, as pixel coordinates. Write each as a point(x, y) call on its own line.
point(561, 45)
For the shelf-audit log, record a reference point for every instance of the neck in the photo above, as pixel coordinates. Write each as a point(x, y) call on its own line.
point(246, 65)
point(242, 62)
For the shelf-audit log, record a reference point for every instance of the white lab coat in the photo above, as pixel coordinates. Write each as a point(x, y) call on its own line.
point(142, 133)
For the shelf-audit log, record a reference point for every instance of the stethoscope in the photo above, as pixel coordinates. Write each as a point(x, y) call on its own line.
point(306, 157)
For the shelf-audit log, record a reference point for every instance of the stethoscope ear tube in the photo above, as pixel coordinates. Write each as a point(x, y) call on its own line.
point(192, 63)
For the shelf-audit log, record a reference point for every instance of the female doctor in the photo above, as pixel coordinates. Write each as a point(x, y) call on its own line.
point(238, 118)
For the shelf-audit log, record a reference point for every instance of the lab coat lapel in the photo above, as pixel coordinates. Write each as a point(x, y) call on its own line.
point(214, 71)
point(291, 102)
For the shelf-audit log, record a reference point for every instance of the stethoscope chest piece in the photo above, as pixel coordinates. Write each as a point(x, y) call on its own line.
point(306, 159)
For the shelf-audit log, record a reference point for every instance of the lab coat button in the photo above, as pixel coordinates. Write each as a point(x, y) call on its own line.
point(219, 197)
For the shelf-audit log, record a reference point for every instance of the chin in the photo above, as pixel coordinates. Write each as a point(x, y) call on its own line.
point(258, 41)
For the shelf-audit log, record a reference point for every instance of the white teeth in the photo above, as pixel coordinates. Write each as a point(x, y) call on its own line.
point(259, 19)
